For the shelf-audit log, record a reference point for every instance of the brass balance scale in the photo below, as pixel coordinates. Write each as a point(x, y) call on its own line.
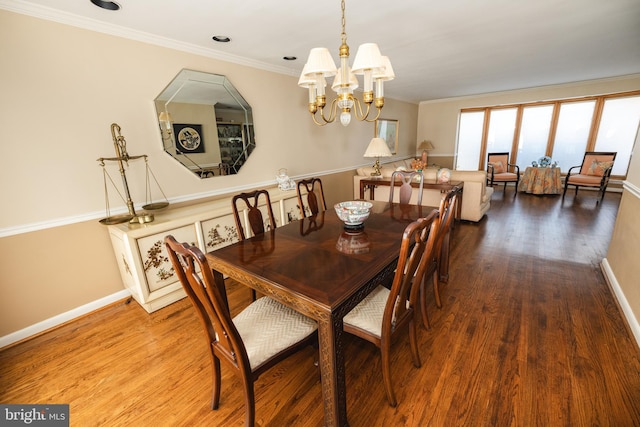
point(123, 157)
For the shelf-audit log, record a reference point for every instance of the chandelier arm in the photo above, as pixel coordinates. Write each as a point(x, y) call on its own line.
point(313, 116)
point(376, 117)
point(357, 110)
point(333, 112)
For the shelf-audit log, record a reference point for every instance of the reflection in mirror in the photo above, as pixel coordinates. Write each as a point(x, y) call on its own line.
point(205, 123)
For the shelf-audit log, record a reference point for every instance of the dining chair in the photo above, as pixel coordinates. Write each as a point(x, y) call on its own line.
point(315, 196)
point(594, 172)
point(256, 220)
point(405, 189)
point(385, 312)
point(499, 170)
point(262, 335)
point(437, 263)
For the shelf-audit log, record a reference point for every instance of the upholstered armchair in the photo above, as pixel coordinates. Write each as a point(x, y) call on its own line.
point(499, 170)
point(594, 172)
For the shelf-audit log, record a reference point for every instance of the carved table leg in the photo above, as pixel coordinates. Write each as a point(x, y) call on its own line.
point(333, 372)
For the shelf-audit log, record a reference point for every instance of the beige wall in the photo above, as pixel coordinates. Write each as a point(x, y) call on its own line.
point(621, 263)
point(63, 87)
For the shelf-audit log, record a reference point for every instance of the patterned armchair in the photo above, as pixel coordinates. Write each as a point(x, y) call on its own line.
point(499, 170)
point(594, 172)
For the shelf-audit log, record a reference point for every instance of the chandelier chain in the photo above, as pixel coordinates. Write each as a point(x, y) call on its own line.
point(343, 35)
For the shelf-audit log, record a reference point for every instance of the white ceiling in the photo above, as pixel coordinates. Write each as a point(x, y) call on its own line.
point(438, 49)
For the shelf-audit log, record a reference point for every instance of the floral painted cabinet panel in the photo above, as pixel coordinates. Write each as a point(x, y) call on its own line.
point(292, 210)
point(219, 232)
point(155, 260)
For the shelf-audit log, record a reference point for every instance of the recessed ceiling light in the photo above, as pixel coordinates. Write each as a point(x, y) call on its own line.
point(109, 5)
point(221, 39)
point(289, 58)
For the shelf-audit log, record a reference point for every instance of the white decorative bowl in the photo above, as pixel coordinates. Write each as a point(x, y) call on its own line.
point(353, 213)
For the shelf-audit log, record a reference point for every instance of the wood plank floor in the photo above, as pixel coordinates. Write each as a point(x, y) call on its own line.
point(529, 335)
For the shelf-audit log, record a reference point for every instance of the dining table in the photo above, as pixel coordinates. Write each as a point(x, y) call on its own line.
point(322, 269)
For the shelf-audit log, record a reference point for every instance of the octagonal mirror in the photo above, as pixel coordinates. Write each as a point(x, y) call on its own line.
point(205, 124)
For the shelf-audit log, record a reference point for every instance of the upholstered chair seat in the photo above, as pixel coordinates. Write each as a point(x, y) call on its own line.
point(267, 327)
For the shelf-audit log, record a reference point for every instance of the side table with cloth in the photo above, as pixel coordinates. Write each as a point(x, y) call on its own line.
point(537, 180)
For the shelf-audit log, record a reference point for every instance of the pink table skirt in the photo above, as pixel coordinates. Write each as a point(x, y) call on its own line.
point(541, 181)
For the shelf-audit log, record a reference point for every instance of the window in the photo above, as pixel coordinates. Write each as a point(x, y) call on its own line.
point(469, 137)
point(534, 134)
point(618, 129)
point(572, 133)
point(562, 129)
point(502, 124)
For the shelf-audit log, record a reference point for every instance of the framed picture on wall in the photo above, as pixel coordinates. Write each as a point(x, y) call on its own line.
point(188, 138)
point(387, 129)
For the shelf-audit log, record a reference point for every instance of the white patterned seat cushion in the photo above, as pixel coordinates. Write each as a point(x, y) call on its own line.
point(368, 314)
point(268, 327)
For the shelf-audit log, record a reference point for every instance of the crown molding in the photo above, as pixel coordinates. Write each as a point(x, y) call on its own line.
point(50, 14)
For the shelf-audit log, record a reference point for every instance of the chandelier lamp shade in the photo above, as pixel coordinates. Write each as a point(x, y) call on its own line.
point(368, 62)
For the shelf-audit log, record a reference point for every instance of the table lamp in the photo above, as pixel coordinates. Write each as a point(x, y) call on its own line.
point(425, 146)
point(377, 148)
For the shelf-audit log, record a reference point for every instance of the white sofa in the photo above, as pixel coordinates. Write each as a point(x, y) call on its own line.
point(476, 196)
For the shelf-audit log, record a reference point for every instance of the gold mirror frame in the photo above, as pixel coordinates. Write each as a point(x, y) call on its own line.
point(205, 124)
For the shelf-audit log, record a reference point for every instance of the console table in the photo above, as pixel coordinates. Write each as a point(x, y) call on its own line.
point(537, 180)
point(141, 256)
point(444, 187)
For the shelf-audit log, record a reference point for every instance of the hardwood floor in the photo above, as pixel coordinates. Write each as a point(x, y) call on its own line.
point(529, 335)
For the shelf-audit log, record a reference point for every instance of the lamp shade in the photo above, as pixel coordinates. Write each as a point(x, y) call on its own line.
point(385, 73)
point(164, 116)
point(337, 80)
point(306, 79)
point(426, 145)
point(368, 57)
point(377, 148)
point(165, 120)
point(320, 62)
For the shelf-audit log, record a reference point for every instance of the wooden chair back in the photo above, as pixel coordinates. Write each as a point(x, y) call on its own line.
point(405, 189)
point(448, 207)
point(397, 307)
point(418, 241)
point(210, 302)
point(272, 332)
point(315, 196)
point(256, 220)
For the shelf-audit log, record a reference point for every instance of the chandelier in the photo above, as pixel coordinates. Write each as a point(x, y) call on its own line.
point(368, 62)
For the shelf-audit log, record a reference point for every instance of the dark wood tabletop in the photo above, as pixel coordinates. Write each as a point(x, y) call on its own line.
point(320, 269)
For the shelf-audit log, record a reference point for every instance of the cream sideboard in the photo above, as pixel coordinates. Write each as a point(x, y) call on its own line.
point(143, 261)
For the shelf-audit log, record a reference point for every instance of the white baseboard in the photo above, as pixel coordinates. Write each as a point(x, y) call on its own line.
point(632, 321)
point(62, 318)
